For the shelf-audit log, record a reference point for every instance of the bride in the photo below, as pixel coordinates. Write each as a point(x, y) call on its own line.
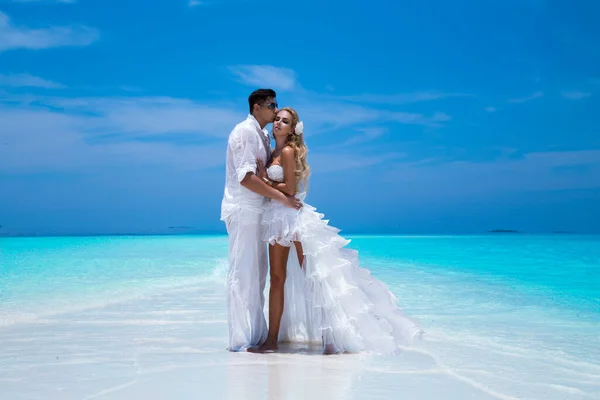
point(318, 291)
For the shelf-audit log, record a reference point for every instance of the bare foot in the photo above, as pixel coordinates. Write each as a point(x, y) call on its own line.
point(265, 348)
point(329, 349)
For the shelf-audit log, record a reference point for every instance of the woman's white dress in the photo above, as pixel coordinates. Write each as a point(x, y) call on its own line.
point(331, 298)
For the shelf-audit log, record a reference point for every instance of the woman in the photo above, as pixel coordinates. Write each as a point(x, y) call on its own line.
point(318, 290)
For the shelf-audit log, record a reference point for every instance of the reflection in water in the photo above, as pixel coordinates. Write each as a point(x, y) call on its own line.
point(297, 371)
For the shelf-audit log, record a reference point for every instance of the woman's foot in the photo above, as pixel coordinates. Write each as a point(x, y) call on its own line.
point(329, 349)
point(267, 347)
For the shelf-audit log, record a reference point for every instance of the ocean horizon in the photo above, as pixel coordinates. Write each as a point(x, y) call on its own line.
point(222, 232)
point(506, 316)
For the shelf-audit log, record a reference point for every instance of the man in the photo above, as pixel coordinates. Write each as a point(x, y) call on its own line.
point(243, 198)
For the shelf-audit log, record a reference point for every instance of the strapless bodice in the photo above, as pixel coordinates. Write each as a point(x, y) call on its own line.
point(275, 173)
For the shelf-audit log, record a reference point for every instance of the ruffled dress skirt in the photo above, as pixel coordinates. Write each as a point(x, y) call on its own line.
point(331, 299)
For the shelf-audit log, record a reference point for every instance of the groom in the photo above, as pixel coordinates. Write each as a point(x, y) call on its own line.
point(241, 207)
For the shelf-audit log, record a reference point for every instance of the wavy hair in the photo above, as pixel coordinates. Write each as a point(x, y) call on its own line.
point(296, 142)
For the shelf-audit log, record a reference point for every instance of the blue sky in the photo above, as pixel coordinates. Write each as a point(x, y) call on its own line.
point(437, 117)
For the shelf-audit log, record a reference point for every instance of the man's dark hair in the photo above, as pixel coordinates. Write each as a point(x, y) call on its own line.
point(259, 96)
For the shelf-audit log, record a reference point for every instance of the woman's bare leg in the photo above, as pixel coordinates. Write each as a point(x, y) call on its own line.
point(300, 253)
point(278, 256)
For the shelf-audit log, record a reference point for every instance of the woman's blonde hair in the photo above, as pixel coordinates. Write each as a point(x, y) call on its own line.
point(296, 142)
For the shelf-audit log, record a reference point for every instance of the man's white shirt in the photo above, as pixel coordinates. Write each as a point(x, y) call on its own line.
point(247, 143)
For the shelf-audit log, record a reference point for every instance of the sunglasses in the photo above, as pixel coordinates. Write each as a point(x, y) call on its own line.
point(272, 105)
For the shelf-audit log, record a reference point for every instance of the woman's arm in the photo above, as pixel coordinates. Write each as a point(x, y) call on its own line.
point(288, 186)
point(245, 148)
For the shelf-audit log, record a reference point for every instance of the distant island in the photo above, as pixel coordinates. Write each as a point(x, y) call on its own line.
point(503, 231)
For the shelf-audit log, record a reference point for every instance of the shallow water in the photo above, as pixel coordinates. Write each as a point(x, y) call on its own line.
point(119, 317)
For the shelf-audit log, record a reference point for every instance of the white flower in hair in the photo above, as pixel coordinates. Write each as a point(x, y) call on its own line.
point(299, 128)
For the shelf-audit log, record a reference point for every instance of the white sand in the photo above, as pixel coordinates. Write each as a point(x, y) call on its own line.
point(172, 345)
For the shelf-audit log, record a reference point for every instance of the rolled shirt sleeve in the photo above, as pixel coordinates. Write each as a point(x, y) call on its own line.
point(245, 152)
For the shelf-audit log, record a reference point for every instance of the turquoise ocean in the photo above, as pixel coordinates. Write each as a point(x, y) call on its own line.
point(509, 315)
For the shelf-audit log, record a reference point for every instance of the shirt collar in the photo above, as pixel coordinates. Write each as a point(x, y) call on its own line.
point(255, 121)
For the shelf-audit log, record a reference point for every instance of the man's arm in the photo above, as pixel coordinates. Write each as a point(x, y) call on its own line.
point(257, 185)
point(245, 154)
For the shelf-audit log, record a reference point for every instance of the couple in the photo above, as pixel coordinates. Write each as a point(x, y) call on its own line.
point(318, 292)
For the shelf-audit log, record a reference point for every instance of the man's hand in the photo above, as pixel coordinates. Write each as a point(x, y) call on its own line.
point(292, 202)
point(261, 171)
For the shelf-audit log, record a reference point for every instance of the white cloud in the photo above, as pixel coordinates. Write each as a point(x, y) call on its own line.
point(490, 109)
point(60, 133)
point(145, 116)
point(326, 111)
point(266, 76)
point(528, 98)
point(558, 170)
point(21, 37)
point(418, 119)
point(404, 98)
point(441, 117)
point(575, 95)
point(331, 162)
point(366, 135)
point(26, 80)
point(73, 134)
point(325, 116)
point(195, 3)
